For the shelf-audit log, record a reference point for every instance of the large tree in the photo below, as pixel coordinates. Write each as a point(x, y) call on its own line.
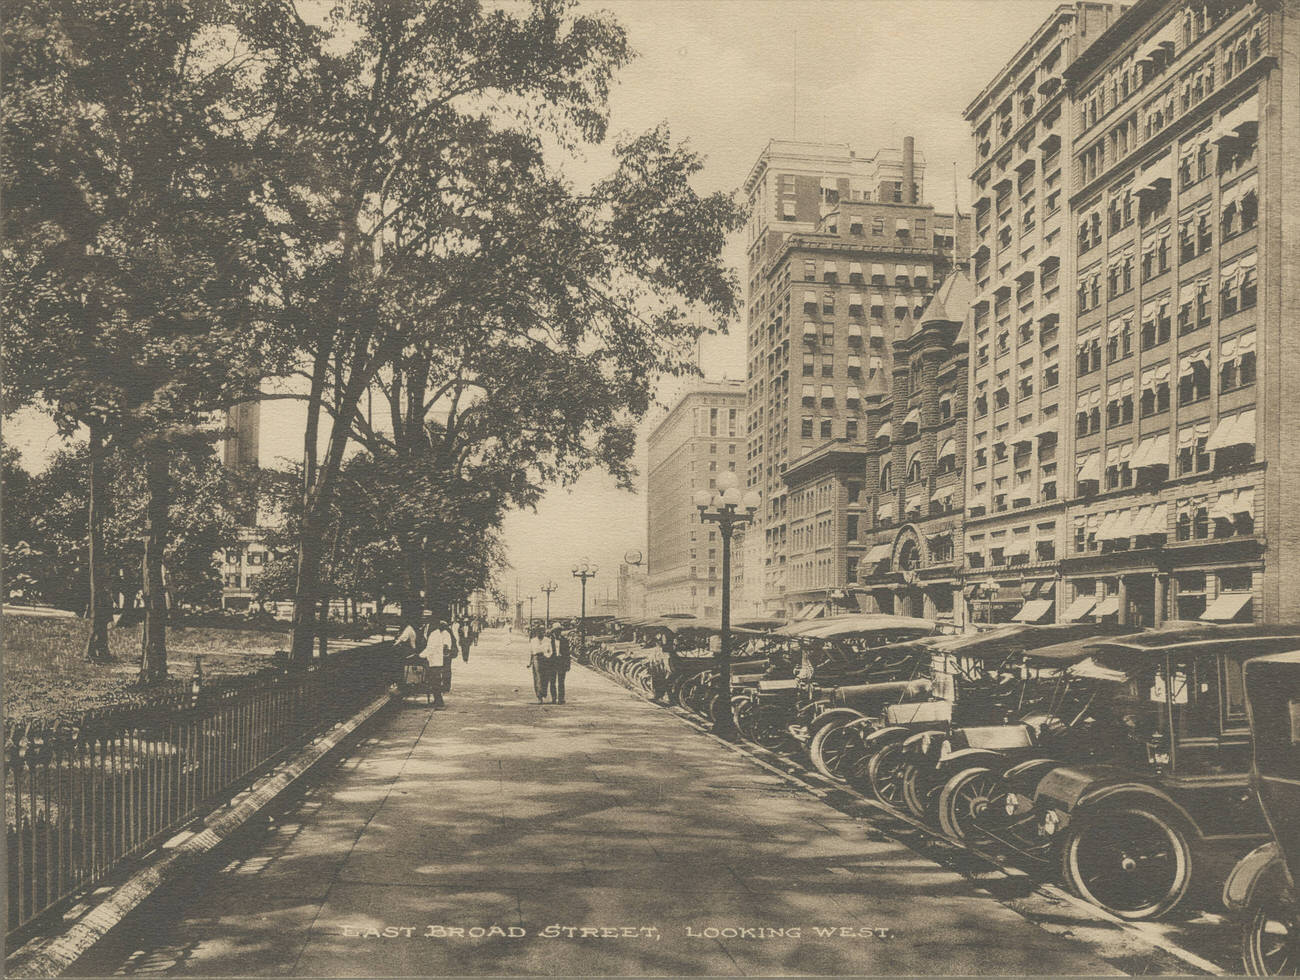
point(425, 137)
point(137, 241)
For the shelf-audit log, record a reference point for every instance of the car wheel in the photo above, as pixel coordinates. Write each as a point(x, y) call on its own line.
point(1270, 942)
point(885, 773)
point(832, 751)
point(967, 800)
point(914, 790)
point(1131, 861)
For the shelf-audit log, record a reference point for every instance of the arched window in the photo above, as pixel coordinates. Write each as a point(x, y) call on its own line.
point(914, 468)
point(948, 457)
point(887, 478)
point(909, 556)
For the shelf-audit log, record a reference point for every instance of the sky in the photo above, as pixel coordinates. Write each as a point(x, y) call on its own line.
point(729, 75)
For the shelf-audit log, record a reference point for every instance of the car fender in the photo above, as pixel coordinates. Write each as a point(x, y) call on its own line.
point(1023, 777)
point(881, 737)
point(954, 762)
point(1153, 797)
point(1257, 878)
point(833, 716)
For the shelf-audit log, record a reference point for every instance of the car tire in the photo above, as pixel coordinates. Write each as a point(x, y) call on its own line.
point(1270, 941)
point(964, 800)
point(885, 774)
point(1131, 860)
point(829, 750)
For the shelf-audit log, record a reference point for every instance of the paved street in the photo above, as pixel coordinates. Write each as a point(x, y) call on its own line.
point(603, 814)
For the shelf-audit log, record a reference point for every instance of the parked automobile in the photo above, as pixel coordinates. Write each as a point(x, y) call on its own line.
point(842, 651)
point(1129, 835)
point(1262, 887)
point(978, 679)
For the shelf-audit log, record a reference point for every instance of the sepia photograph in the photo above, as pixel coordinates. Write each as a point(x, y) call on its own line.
point(675, 488)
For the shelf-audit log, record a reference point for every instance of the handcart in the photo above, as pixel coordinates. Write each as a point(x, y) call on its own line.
point(417, 677)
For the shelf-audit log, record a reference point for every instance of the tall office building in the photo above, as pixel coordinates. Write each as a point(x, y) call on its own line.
point(700, 437)
point(1180, 382)
point(842, 258)
point(1015, 525)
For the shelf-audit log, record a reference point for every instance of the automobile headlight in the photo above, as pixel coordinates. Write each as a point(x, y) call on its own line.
point(1052, 822)
point(925, 744)
point(1012, 804)
point(945, 750)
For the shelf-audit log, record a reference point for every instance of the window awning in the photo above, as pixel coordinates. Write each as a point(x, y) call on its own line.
point(916, 500)
point(855, 299)
point(1034, 611)
point(1108, 606)
point(879, 553)
point(855, 330)
point(855, 268)
point(901, 272)
point(1238, 118)
point(1245, 503)
point(939, 494)
point(1226, 607)
point(810, 391)
point(1154, 173)
point(1152, 451)
point(877, 332)
point(1222, 507)
point(949, 448)
point(885, 431)
point(913, 417)
point(828, 391)
point(1090, 468)
point(1079, 608)
point(878, 270)
point(809, 329)
point(809, 298)
point(901, 301)
point(877, 300)
point(885, 510)
point(829, 268)
point(852, 394)
point(1233, 430)
point(920, 272)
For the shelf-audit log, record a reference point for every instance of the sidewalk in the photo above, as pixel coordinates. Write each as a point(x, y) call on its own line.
point(605, 814)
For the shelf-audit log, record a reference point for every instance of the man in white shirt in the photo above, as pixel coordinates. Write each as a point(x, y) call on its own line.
point(436, 653)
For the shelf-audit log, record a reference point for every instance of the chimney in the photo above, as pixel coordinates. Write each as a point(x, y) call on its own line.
point(909, 171)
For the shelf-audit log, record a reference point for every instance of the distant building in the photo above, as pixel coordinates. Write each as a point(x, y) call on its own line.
point(241, 565)
point(1019, 393)
point(843, 256)
point(914, 462)
point(700, 437)
point(1183, 375)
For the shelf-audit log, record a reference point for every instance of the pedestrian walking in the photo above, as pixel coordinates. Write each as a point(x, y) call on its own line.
point(561, 661)
point(539, 663)
point(463, 638)
point(434, 656)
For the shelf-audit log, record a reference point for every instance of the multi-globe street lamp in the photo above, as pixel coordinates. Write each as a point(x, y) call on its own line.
point(584, 570)
point(549, 586)
point(728, 508)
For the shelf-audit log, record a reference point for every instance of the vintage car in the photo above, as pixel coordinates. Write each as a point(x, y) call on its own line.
point(1262, 887)
point(1128, 835)
point(979, 679)
point(851, 651)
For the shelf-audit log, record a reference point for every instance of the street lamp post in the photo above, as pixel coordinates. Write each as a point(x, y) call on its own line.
point(583, 571)
point(729, 509)
point(549, 586)
point(530, 609)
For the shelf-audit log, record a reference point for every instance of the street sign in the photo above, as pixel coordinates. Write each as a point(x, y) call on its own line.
point(633, 558)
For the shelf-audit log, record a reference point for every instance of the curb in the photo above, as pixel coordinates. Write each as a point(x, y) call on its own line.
point(180, 854)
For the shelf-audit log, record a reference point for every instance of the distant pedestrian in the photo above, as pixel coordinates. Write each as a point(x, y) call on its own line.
point(463, 638)
point(539, 662)
point(435, 655)
point(561, 661)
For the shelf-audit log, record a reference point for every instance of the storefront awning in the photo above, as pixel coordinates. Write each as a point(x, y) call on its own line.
point(1108, 606)
point(1034, 611)
point(1226, 607)
point(814, 611)
point(879, 553)
point(1079, 608)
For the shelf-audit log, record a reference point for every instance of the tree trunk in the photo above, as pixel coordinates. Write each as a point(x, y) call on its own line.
point(306, 593)
point(101, 586)
point(153, 644)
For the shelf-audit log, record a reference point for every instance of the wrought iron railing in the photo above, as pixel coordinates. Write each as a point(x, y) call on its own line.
point(84, 798)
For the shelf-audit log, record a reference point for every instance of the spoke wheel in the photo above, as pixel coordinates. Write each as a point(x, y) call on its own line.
point(1270, 942)
point(914, 790)
point(1132, 862)
point(885, 773)
point(971, 798)
point(832, 751)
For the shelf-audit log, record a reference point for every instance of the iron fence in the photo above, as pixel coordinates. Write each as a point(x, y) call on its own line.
point(83, 798)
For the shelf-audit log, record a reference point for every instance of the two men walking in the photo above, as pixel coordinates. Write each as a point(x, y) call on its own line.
point(549, 658)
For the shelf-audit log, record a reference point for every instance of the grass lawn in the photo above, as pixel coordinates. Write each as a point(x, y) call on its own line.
point(46, 677)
